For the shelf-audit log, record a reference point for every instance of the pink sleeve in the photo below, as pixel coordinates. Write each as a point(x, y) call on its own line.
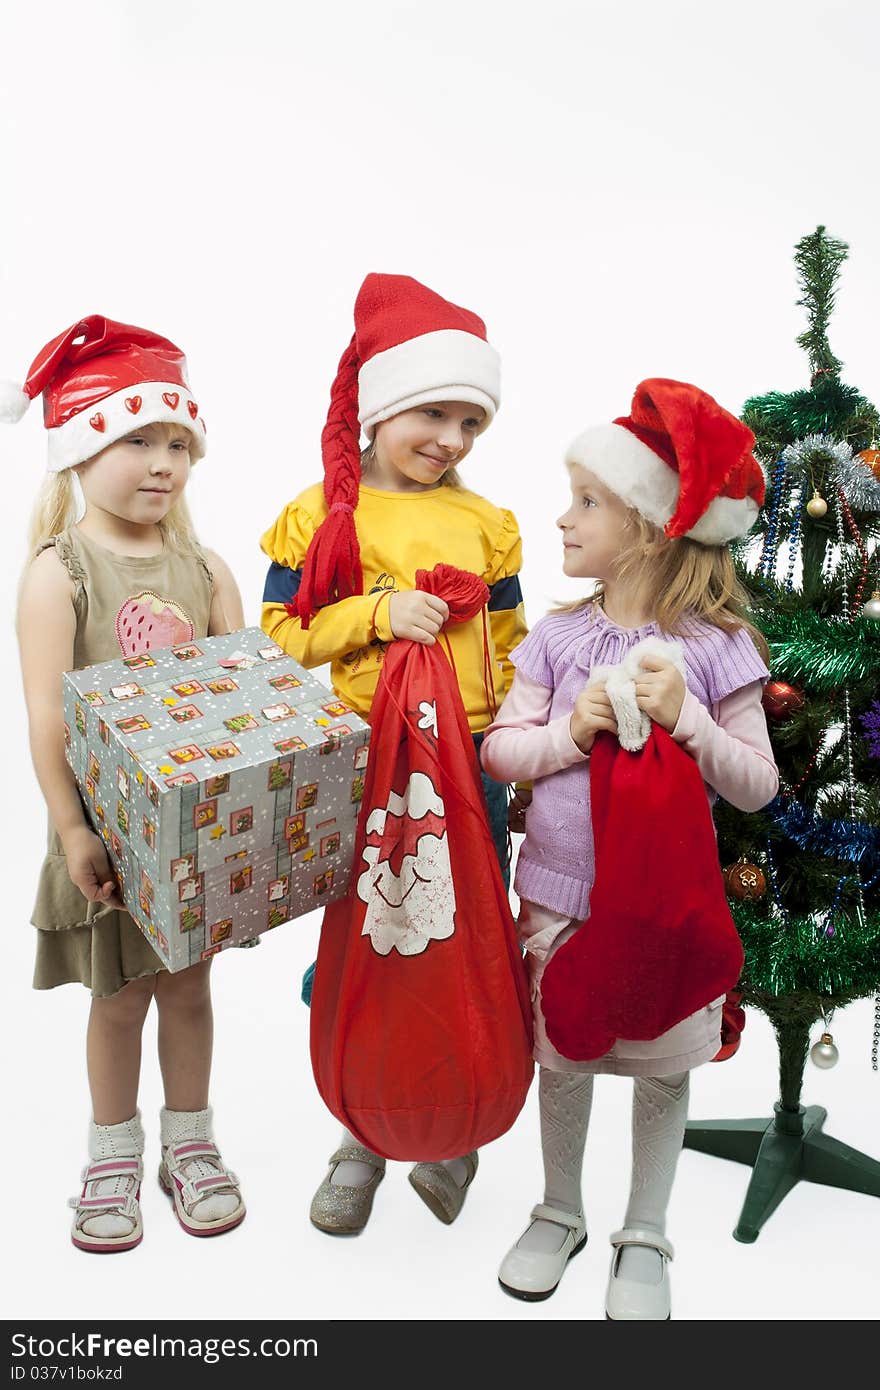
point(520, 744)
point(732, 750)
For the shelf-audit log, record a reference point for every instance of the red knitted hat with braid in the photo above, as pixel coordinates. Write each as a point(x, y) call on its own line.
point(410, 347)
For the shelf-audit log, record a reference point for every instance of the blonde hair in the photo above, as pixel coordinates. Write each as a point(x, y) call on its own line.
point(688, 580)
point(56, 506)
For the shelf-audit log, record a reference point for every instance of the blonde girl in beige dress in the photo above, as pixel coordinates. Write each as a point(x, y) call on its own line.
point(124, 431)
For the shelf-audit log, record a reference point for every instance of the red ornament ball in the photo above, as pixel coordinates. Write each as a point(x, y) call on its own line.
point(871, 459)
point(781, 700)
point(744, 881)
point(733, 1021)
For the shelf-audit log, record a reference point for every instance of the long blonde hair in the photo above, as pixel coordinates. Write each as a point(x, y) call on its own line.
point(55, 510)
point(688, 580)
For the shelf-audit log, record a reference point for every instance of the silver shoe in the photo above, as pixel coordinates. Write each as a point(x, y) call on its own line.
point(438, 1189)
point(344, 1211)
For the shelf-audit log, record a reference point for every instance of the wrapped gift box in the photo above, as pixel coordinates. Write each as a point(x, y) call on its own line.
point(225, 781)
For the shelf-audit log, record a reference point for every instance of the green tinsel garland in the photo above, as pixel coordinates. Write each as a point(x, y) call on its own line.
point(822, 653)
point(796, 955)
point(828, 408)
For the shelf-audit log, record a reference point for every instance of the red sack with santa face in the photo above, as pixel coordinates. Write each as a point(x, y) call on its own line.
point(421, 1020)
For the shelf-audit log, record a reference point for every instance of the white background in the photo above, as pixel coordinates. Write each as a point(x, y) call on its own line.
point(617, 190)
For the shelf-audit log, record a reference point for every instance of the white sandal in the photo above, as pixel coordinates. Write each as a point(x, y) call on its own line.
point(211, 1177)
point(123, 1200)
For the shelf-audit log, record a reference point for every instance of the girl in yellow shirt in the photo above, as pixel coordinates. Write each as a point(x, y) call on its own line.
point(421, 380)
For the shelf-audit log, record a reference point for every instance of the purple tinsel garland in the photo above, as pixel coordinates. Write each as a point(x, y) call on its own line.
point(871, 724)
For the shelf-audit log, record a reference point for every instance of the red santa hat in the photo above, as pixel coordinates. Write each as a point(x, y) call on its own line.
point(99, 381)
point(679, 459)
point(410, 346)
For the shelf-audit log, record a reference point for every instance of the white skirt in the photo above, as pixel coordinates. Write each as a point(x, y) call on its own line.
point(690, 1043)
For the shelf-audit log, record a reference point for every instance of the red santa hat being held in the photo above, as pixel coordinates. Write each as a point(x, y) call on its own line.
point(659, 942)
point(409, 347)
point(680, 460)
point(99, 381)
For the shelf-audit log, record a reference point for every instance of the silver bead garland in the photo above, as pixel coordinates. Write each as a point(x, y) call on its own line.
point(794, 539)
point(850, 778)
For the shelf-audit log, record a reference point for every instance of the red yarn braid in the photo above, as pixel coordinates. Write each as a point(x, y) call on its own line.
point(332, 567)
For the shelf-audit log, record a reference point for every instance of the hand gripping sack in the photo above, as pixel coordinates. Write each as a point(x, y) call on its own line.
point(421, 1019)
point(659, 942)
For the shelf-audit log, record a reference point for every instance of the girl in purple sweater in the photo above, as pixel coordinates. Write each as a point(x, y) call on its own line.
point(656, 496)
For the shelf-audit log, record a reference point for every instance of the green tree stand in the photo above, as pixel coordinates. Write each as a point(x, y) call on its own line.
point(788, 1148)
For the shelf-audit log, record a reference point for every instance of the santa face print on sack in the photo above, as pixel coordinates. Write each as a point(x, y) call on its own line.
point(407, 884)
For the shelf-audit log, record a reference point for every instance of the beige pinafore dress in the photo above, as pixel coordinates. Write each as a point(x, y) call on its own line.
point(77, 940)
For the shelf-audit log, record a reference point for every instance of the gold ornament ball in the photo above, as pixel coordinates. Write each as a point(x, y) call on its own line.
point(744, 881)
point(817, 506)
point(824, 1053)
point(872, 607)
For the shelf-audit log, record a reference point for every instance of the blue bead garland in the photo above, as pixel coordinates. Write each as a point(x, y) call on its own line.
point(774, 886)
point(771, 543)
point(828, 924)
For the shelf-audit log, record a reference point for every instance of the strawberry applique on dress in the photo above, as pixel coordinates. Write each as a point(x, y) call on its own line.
point(147, 622)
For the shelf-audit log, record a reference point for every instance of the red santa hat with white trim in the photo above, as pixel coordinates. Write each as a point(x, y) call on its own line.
point(410, 347)
point(679, 459)
point(99, 381)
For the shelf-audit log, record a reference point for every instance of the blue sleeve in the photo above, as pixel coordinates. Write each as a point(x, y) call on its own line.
point(505, 593)
point(281, 584)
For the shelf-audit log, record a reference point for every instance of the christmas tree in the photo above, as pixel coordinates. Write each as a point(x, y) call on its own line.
point(804, 874)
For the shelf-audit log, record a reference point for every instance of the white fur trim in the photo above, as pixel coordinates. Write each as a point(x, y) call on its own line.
point(724, 519)
point(629, 469)
point(643, 480)
point(449, 365)
point(633, 724)
point(13, 402)
point(78, 440)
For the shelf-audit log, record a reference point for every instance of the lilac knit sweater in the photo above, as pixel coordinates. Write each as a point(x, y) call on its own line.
point(556, 863)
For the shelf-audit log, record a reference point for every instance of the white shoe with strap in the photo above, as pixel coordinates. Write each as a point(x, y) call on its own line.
point(206, 1195)
point(631, 1300)
point(533, 1274)
point(108, 1214)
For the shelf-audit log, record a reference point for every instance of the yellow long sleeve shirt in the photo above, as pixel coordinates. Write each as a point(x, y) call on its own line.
point(399, 533)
